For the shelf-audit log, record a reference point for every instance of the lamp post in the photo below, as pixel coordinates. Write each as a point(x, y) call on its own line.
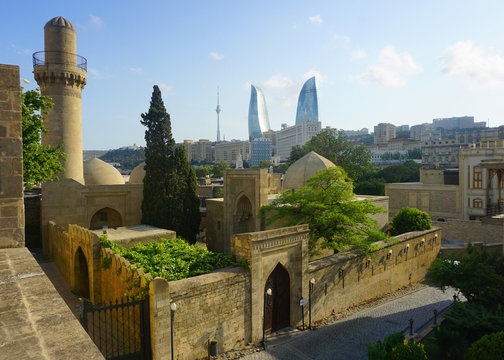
point(310, 290)
point(173, 308)
point(266, 294)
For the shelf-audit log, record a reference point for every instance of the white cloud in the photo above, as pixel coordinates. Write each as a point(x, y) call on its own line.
point(137, 70)
point(216, 56)
point(343, 39)
point(317, 19)
point(392, 70)
point(95, 21)
point(359, 54)
point(166, 89)
point(281, 90)
point(277, 82)
point(479, 66)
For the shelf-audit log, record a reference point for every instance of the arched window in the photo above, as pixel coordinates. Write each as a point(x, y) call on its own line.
point(105, 217)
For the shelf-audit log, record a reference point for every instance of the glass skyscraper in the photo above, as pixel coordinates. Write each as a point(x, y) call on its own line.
point(258, 120)
point(307, 108)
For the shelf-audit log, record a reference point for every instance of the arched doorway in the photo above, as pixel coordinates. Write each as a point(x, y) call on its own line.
point(277, 314)
point(243, 217)
point(81, 274)
point(105, 217)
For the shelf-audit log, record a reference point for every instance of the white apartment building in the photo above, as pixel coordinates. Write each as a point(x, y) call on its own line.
point(290, 136)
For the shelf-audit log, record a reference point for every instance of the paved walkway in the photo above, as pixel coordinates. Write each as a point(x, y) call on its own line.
point(347, 338)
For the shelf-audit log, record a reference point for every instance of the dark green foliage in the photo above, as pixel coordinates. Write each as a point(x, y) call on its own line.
point(409, 219)
point(372, 182)
point(353, 158)
point(128, 158)
point(328, 205)
point(188, 212)
point(170, 185)
point(489, 347)
point(172, 259)
point(40, 163)
point(415, 153)
point(479, 276)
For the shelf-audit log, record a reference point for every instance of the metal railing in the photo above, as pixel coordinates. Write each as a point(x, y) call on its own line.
point(39, 58)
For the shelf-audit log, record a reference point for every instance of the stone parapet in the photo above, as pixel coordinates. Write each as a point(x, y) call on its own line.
point(11, 160)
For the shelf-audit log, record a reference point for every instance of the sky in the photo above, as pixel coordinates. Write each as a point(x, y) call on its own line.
point(401, 62)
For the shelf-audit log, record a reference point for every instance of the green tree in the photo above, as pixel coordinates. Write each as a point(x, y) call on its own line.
point(330, 208)
point(188, 202)
point(217, 170)
point(409, 219)
point(489, 347)
point(479, 276)
point(264, 164)
point(40, 162)
point(353, 158)
point(202, 171)
point(160, 181)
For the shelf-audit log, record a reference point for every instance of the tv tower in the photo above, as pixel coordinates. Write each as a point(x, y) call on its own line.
point(218, 110)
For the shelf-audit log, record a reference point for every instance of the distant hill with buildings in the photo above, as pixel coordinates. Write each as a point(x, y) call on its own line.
point(125, 158)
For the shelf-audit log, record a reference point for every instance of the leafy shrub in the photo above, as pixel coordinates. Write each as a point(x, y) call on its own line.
point(489, 347)
point(172, 259)
point(409, 219)
point(479, 276)
point(408, 350)
point(382, 351)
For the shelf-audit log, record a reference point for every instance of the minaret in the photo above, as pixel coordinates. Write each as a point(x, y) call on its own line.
point(61, 75)
point(218, 110)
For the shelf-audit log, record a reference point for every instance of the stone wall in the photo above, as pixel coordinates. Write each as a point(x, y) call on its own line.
point(439, 201)
point(11, 160)
point(347, 279)
point(119, 279)
point(213, 307)
point(64, 243)
point(486, 230)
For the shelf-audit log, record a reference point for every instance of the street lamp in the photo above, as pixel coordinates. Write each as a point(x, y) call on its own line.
point(310, 290)
point(266, 294)
point(173, 308)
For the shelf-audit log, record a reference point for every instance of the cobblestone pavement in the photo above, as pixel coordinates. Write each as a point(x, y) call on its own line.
point(346, 339)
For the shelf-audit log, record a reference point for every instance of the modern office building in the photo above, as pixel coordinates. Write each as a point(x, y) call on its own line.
point(460, 122)
point(307, 108)
point(290, 136)
point(261, 149)
point(258, 120)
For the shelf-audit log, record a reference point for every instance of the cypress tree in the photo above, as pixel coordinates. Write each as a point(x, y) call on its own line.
point(160, 178)
point(170, 190)
point(189, 203)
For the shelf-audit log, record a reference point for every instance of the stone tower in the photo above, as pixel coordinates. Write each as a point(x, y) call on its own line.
point(61, 75)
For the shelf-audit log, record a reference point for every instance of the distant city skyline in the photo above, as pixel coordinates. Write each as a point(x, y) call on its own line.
point(374, 62)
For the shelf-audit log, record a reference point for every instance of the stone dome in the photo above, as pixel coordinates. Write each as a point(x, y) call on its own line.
point(303, 169)
point(59, 21)
point(98, 172)
point(137, 174)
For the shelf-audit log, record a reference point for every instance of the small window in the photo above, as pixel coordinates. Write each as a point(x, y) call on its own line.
point(477, 179)
point(477, 203)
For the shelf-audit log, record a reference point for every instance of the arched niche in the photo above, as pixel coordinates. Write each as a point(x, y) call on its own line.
point(105, 217)
point(243, 217)
point(81, 274)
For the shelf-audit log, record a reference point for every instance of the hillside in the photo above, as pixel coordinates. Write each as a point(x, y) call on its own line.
point(127, 158)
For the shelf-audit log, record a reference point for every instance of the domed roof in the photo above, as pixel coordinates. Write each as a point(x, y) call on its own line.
point(137, 174)
point(59, 21)
point(303, 169)
point(98, 172)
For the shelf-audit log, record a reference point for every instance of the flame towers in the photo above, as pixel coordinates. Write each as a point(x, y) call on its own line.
point(307, 109)
point(258, 120)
